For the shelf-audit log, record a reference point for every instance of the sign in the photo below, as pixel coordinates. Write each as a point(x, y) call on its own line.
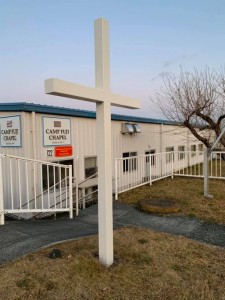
point(63, 151)
point(56, 131)
point(49, 152)
point(10, 135)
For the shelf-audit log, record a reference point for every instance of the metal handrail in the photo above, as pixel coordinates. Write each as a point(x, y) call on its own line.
point(74, 193)
point(47, 190)
point(35, 160)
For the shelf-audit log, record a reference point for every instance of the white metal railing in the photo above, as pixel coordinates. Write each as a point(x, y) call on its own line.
point(81, 197)
point(216, 165)
point(23, 183)
point(21, 187)
point(132, 172)
point(188, 163)
point(59, 198)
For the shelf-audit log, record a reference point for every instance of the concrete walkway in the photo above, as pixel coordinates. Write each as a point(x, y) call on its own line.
point(21, 237)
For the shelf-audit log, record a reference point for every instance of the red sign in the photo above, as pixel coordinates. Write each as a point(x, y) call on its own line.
point(63, 151)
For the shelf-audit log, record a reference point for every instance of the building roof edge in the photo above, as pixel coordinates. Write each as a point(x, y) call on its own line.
point(47, 109)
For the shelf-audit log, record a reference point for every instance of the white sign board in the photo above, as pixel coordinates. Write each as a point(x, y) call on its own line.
point(10, 135)
point(56, 131)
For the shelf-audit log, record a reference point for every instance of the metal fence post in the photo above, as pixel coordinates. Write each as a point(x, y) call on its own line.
point(205, 172)
point(206, 175)
point(70, 192)
point(172, 164)
point(150, 169)
point(2, 216)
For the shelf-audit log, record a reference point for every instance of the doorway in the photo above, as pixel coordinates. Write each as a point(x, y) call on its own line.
point(56, 175)
point(149, 163)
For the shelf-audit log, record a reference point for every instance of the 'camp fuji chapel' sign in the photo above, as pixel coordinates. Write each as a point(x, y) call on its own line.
point(103, 98)
point(56, 131)
point(10, 134)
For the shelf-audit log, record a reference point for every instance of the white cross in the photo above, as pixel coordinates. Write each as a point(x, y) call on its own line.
point(103, 98)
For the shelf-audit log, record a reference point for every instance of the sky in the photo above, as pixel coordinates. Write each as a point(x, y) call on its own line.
point(55, 39)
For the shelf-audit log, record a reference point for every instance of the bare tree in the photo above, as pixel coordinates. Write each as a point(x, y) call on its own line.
point(195, 100)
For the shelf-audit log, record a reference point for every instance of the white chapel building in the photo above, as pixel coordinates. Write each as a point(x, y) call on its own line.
point(58, 134)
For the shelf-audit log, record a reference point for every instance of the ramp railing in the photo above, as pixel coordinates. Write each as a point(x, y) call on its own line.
point(132, 172)
point(48, 185)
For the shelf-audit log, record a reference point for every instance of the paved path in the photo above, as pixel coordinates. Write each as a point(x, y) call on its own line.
point(20, 237)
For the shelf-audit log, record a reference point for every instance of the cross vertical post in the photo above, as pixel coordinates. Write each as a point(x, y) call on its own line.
point(103, 141)
point(105, 214)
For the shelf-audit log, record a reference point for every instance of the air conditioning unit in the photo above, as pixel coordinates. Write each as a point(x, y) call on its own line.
point(130, 128)
point(127, 128)
point(137, 128)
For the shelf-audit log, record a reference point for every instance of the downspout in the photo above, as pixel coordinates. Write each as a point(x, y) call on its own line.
point(33, 116)
point(161, 138)
point(188, 146)
point(161, 146)
point(34, 151)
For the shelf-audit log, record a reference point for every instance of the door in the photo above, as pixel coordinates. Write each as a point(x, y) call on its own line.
point(51, 175)
point(149, 163)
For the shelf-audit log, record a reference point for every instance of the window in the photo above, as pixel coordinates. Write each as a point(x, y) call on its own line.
point(152, 157)
point(193, 150)
point(169, 156)
point(129, 164)
point(200, 148)
point(90, 166)
point(181, 153)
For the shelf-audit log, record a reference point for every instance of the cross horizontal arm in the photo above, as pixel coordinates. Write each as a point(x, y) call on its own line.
point(66, 89)
point(123, 101)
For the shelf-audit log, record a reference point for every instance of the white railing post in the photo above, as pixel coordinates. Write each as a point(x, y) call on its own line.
point(172, 164)
point(2, 216)
point(70, 192)
point(150, 169)
point(77, 184)
point(116, 183)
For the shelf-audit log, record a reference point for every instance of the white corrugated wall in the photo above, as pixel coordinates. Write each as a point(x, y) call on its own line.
point(152, 136)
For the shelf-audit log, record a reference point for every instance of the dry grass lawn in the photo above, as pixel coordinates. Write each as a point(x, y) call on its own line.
point(149, 265)
point(188, 193)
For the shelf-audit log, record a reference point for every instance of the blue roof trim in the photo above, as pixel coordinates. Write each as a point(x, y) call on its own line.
point(140, 119)
point(47, 109)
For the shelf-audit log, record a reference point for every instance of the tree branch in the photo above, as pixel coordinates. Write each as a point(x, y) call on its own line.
point(195, 133)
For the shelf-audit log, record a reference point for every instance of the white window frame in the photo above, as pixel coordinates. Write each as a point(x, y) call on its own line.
point(193, 150)
point(181, 155)
point(153, 160)
point(96, 165)
point(168, 156)
point(130, 165)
